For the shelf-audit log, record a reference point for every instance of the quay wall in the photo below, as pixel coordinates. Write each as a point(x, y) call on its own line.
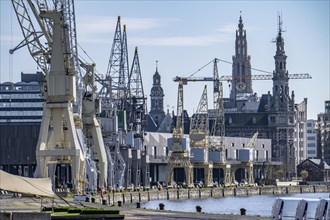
point(218, 192)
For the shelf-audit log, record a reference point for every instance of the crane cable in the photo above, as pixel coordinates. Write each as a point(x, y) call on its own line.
point(96, 71)
point(224, 61)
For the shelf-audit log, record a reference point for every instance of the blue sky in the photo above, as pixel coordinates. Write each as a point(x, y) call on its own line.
point(185, 35)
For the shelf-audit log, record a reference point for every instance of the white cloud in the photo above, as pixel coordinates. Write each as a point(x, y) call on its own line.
point(106, 24)
point(231, 28)
point(228, 28)
point(182, 41)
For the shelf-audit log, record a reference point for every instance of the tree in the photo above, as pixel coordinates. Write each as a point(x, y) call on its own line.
point(279, 174)
point(304, 174)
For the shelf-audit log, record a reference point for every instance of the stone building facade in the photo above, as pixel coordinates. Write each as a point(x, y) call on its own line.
point(324, 133)
point(274, 115)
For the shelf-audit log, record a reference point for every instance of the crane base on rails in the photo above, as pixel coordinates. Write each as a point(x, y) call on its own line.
point(180, 160)
point(58, 144)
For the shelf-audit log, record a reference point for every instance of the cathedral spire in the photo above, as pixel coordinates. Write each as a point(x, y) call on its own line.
point(240, 24)
point(241, 72)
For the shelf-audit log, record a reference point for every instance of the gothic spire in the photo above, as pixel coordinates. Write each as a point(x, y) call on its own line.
point(240, 24)
point(241, 72)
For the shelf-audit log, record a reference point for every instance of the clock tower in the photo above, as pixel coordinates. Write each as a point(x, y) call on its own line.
point(157, 99)
point(241, 75)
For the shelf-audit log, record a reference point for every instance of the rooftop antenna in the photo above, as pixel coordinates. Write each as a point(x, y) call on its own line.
point(279, 24)
point(156, 65)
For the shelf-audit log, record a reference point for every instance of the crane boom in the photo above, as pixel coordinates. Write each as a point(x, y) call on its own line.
point(230, 78)
point(267, 77)
point(34, 38)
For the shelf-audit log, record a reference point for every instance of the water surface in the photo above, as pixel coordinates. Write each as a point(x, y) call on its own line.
point(254, 205)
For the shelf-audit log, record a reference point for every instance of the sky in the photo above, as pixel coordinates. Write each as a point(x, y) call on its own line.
point(183, 36)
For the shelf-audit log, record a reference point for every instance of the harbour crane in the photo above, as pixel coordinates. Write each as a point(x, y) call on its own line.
point(251, 145)
point(52, 43)
point(179, 156)
point(217, 133)
point(199, 139)
point(59, 142)
point(92, 128)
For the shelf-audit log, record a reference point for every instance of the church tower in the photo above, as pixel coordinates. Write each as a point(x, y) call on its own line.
point(241, 70)
point(157, 99)
point(282, 111)
point(281, 97)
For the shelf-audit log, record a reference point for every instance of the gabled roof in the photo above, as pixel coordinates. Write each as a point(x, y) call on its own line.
point(166, 124)
point(316, 162)
point(151, 124)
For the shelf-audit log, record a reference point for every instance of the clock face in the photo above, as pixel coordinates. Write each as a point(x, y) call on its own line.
point(240, 86)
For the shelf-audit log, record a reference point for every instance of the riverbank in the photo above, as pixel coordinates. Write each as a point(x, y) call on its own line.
point(33, 205)
point(200, 193)
point(129, 201)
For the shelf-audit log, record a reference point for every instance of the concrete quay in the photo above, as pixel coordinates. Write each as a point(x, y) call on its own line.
point(218, 192)
point(28, 208)
point(13, 207)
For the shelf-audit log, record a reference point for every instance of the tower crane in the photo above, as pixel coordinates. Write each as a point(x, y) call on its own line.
point(266, 77)
point(229, 78)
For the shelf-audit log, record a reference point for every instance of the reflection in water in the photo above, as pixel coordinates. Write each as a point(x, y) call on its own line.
point(254, 205)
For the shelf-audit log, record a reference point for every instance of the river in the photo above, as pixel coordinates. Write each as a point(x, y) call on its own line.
point(254, 205)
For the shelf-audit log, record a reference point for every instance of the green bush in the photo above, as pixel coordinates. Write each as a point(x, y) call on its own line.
point(74, 210)
point(61, 208)
point(98, 211)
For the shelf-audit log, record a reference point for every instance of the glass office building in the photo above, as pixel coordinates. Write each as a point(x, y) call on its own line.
point(20, 118)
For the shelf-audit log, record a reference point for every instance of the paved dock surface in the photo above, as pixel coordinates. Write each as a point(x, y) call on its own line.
point(14, 204)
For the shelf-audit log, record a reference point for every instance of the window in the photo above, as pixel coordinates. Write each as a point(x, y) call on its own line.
point(311, 145)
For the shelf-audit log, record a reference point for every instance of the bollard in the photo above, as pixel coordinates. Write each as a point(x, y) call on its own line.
point(119, 203)
point(138, 205)
point(198, 208)
point(243, 211)
point(93, 200)
point(161, 206)
point(104, 202)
